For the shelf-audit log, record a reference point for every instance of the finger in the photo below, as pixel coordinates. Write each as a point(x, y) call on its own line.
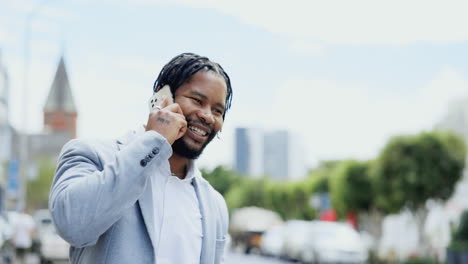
point(165, 101)
point(175, 108)
point(182, 131)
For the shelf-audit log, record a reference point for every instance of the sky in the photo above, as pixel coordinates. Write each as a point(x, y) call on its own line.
point(343, 76)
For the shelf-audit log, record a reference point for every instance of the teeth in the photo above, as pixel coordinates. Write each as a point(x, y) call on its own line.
point(197, 131)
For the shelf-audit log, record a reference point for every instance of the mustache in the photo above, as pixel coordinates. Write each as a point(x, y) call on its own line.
point(200, 122)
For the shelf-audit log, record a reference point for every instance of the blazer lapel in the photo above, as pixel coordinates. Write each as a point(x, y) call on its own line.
point(207, 254)
point(146, 206)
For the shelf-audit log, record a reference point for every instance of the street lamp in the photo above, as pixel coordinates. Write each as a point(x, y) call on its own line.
point(21, 198)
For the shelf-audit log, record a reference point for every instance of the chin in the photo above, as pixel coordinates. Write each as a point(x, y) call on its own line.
point(184, 149)
point(187, 148)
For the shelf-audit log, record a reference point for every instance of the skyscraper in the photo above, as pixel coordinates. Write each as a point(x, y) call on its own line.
point(249, 152)
point(276, 154)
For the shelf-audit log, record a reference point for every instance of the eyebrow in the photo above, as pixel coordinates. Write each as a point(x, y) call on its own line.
point(205, 98)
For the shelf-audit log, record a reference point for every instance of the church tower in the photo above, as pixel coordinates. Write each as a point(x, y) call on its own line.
point(60, 112)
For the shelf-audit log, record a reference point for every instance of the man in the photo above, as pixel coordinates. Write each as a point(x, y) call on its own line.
point(141, 199)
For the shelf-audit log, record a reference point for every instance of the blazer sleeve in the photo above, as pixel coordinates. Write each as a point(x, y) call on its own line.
point(88, 196)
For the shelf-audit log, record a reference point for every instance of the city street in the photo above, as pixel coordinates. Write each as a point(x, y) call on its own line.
point(235, 258)
point(231, 258)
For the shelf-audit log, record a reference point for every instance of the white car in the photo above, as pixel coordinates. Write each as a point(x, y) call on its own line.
point(295, 237)
point(333, 242)
point(272, 241)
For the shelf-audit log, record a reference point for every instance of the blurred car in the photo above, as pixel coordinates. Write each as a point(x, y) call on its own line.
point(47, 243)
point(333, 242)
point(272, 241)
point(247, 226)
point(295, 236)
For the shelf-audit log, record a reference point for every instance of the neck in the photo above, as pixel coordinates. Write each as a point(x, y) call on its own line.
point(178, 166)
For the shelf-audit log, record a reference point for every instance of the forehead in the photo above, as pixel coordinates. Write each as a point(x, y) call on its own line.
point(207, 83)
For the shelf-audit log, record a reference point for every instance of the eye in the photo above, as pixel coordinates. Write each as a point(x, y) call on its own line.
point(218, 111)
point(198, 101)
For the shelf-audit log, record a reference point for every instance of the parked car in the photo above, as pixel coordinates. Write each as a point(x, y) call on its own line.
point(247, 226)
point(47, 243)
point(295, 237)
point(333, 242)
point(272, 241)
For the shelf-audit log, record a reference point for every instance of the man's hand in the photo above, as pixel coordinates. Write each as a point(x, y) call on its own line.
point(169, 121)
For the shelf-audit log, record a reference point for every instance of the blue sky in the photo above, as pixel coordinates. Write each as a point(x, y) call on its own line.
point(343, 75)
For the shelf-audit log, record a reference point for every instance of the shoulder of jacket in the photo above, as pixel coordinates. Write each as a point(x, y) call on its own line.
point(95, 144)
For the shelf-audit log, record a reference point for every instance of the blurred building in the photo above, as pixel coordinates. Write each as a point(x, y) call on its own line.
point(456, 118)
point(5, 127)
point(249, 151)
point(276, 154)
point(284, 157)
point(60, 123)
point(5, 131)
point(60, 117)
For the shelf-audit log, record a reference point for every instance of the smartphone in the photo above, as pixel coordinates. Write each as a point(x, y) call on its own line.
point(157, 98)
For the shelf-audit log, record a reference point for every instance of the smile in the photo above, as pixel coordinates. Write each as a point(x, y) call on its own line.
point(198, 131)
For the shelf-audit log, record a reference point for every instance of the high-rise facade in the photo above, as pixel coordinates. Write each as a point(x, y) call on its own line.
point(275, 154)
point(249, 152)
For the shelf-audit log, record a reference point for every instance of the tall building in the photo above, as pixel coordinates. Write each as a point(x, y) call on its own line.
point(456, 118)
point(249, 152)
point(276, 154)
point(284, 157)
point(5, 127)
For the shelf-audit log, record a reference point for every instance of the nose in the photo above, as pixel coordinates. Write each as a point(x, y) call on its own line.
point(206, 116)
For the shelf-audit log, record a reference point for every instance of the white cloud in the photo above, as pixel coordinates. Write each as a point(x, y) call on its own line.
point(351, 121)
point(310, 48)
point(351, 22)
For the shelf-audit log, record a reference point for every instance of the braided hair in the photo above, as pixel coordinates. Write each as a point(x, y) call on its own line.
point(181, 69)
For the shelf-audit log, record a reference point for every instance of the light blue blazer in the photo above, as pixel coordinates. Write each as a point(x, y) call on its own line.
point(101, 201)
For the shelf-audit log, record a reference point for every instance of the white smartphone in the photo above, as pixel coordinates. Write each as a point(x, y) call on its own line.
point(156, 99)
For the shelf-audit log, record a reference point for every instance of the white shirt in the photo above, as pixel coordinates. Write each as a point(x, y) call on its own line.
point(177, 217)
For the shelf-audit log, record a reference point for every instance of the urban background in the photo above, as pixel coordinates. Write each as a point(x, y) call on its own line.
point(345, 141)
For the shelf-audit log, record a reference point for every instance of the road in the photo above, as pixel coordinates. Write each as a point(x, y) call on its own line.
point(235, 258)
point(230, 258)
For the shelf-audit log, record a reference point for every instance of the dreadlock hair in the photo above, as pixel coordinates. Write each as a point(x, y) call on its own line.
point(181, 69)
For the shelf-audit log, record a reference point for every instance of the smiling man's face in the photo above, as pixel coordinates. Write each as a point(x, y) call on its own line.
point(202, 101)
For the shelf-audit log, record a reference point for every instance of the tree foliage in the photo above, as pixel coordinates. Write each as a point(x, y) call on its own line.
point(38, 189)
point(351, 187)
point(412, 169)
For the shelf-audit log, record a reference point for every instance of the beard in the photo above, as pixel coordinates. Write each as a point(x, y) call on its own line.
point(183, 149)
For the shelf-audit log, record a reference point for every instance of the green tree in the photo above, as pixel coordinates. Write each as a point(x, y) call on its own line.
point(37, 192)
point(222, 179)
point(412, 169)
point(351, 187)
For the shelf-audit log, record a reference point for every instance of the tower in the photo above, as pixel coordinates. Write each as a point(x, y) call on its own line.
point(60, 112)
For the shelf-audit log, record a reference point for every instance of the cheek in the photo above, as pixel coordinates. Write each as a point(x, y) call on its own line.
point(218, 124)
